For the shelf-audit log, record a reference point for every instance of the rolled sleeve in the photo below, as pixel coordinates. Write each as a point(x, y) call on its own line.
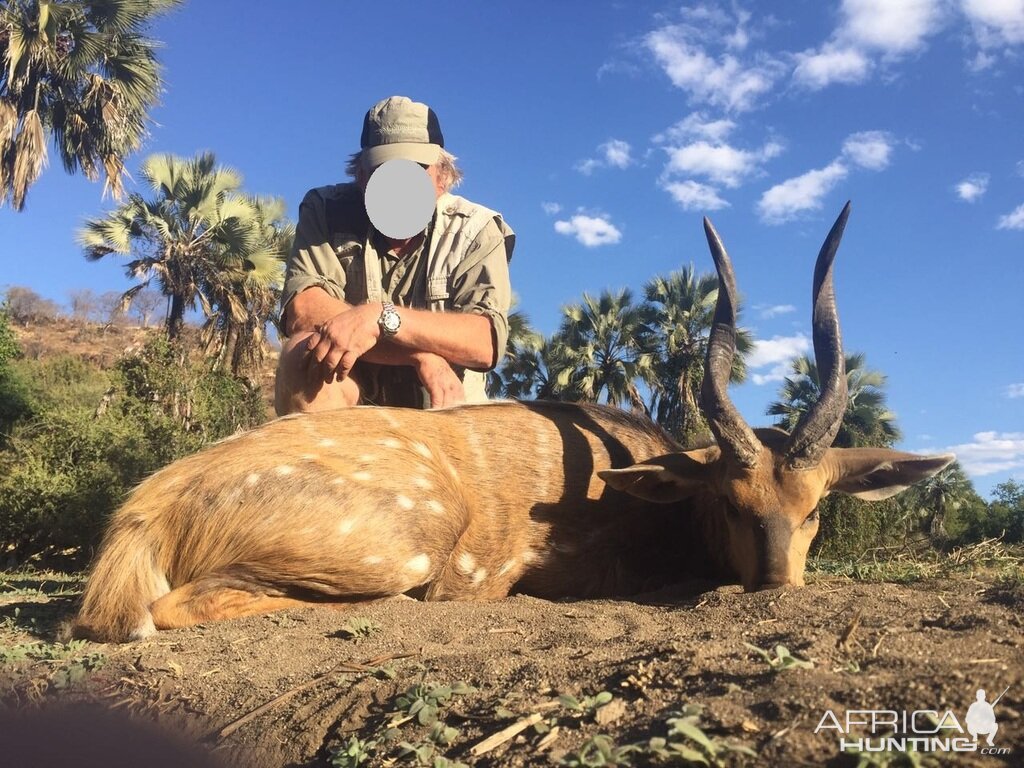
point(481, 285)
point(313, 261)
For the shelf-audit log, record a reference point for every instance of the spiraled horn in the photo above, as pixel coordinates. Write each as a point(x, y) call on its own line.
point(818, 427)
point(735, 437)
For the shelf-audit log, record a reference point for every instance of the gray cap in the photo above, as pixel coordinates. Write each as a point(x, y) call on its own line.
point(399, 127)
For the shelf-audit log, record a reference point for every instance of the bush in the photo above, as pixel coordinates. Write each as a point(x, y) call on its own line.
point(69, 463)
point(850, 526)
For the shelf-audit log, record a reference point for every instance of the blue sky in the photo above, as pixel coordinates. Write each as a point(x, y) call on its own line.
point(604, 131)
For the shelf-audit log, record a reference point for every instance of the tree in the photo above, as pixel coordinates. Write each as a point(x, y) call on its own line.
point(81, 74)
point(199, 237)
point(145, 303)
point(866, 422)
point(604, 349)
point(84, 304)
point(679, 310)
point(933, 501)
point(24, 306)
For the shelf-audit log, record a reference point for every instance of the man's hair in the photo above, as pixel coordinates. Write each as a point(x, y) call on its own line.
point(450, 173)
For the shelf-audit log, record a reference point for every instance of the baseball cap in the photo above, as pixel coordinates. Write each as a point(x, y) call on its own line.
point(400, 128)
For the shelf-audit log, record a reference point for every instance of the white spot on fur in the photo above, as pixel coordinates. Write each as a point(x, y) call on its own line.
point(434, 506)
point(326, 443)
point(386, 415)
point(422, 482)
point(284, 470)
point(368, 458)
point(252, 478)
point(529, 556)
point(338, 481)
point(309, 457)
point(479, 576)
point(373, 560)
point(390, 442)
point(422, 450)
point(345, 526)
point(419, 564)
point(404, 502)
point(507, 566)
point(362, 477)
point(466, 563)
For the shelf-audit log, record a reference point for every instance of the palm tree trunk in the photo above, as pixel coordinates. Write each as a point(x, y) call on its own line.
point(176, 317)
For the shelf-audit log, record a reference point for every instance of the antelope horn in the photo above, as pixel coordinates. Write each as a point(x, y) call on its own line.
point(735, 438)
point(814, 433)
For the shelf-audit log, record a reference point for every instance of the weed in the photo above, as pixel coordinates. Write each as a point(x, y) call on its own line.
point(781, 658)
point(600, 750)
point(40, 651)
point(423, 701)
point(586, 706)
point(357, 628)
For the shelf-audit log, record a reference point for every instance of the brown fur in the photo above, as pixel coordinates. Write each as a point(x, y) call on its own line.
point(466, 503)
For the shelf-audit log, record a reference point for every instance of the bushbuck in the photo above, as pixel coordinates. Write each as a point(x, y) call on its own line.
point(474, 502)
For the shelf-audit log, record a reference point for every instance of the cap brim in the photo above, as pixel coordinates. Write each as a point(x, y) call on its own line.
point(427, 154)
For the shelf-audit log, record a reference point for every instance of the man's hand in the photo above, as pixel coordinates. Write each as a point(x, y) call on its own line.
point(338, 342)
point(440, 381)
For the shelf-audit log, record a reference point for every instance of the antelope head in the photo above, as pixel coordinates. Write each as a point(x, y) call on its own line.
point(767, 483)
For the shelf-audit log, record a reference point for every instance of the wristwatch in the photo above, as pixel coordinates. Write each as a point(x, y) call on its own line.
point(389, 321)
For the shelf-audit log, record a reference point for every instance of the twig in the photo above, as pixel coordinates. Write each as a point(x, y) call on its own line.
point(549, 738)
point(345, 666)
point(506, 734)
point(843, 643)
point(881, 637)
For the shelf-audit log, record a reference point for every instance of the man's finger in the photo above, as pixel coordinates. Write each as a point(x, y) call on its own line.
point(345, 363)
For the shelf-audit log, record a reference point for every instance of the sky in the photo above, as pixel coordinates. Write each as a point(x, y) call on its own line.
point(605, 131)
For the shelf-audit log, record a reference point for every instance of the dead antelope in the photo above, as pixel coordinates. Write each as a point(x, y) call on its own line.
point(477, 501)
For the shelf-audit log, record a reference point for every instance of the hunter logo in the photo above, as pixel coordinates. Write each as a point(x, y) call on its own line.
point(922, 730)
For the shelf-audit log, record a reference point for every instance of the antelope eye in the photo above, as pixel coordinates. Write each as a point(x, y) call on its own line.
point(731, 511)
point(812, 518)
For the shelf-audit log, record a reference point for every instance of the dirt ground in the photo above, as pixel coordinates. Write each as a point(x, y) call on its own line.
point(290, 689)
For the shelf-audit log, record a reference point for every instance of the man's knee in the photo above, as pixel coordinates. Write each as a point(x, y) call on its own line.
point(297, 391)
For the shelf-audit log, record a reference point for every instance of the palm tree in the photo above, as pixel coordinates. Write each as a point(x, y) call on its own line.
point(867, 421)
point(199, 238)
point(604, 349)
point(939, 495)
point(679, 311)
point(81, 74)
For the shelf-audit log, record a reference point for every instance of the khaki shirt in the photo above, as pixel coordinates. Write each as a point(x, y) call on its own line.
point(337, 249)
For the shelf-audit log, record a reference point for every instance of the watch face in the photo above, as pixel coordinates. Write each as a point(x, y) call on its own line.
point(391, 321)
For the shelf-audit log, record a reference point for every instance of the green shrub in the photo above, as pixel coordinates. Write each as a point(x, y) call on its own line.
point(91, 435)
point(850, 526)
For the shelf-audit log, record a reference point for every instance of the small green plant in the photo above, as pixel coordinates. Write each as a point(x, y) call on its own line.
point(40, 651)
point(73, 673)
point(423, 702)
point(600, 750)
point(358, 628)
point(781, 659)
point(354, 753)
point(588, 705)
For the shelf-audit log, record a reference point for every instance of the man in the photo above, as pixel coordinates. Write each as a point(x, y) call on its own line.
point(393, 320)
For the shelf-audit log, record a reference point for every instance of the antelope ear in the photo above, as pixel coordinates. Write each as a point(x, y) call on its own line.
point(874, 474)
point(666, 478)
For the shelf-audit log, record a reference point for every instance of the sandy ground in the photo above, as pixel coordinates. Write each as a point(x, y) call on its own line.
point(291, 688)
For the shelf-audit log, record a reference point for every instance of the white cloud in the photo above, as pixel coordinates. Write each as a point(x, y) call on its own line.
point(973, 187)
point(767, 312)
point(723, 81)
point(720, 162)
point(1020, 167)
point(694, 196)
point(615, 153)
point(1012, 220)
point(776, 354)
point(869, 149)
point(551, 208)
point(869, 29)
point(696, 125)
point(890, 26)
point(815, 70)
point(991, 452)
point(1015, 390)
point(802, 193)
point(590, 231)
point(996, 22)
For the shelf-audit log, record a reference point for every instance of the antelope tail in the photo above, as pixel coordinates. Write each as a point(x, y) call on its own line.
point(123, 584)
